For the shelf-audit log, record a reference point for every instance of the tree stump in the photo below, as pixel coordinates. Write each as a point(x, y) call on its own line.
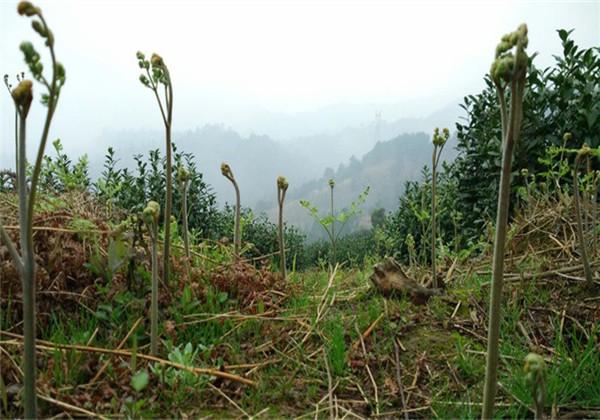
point(389, 279)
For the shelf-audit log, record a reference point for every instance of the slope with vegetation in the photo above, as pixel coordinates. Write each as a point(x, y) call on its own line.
point(229, 330)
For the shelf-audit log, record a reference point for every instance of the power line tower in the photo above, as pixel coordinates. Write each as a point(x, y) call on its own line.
point(377, 126)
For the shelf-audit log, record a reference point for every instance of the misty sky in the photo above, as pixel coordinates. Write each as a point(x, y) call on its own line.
point(245, 64)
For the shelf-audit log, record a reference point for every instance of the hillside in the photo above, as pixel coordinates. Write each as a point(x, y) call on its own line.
point(385, 169)
point(416, 272)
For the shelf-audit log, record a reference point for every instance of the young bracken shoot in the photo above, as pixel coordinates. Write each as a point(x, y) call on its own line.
point(508, 69)
point(183, 179)
point(158, 74)
point(237, 240)
point(331, 214)
point(439, 140)
point(24, 261)
point(583, 153)
point(535, 374)
point(282, 186)
point(151, 215)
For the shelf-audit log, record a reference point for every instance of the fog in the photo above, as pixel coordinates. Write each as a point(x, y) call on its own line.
point(288, 70)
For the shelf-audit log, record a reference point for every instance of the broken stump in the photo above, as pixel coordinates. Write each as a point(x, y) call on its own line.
point(389, 279)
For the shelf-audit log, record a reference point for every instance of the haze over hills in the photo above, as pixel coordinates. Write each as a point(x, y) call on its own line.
point(336, 117)
point(258, 159)
point(384, 169)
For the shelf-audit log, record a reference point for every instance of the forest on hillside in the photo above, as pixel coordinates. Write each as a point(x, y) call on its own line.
point(449, 274)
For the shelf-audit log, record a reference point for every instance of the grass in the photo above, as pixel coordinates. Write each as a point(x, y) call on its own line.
point(280, 337)
point(443, 366)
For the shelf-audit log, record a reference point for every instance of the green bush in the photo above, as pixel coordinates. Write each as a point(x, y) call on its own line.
point(413, 217)
point(259, 235)
point(561, 98)
point(60, 174)
point(130, 190)
point(355, 250)
point(558, 99)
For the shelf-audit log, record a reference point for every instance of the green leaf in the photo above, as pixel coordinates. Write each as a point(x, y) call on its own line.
point(140, 380)
point(563, 34)
point(222, 297)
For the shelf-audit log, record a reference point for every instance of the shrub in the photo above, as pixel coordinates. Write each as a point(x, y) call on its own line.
point(561, 98)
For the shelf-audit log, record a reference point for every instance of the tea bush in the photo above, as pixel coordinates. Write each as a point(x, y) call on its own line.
point(561, 98)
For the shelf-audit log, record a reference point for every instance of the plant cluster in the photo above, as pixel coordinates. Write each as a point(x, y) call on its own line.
point(561, 98)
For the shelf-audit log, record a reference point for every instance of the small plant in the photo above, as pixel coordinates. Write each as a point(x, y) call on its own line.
point(328, 222)
point(151, 215)
point(439, 140)
point(508, 69)
point(158, 74)
point(237, 237)
point(135, 407)
point(583, 153)
point(535, 374)
point(174, 377)
point(25, 260)
point(282, 186)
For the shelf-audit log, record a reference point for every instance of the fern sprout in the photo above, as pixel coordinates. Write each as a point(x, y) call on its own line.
point(507, 71)
point(282, 186)
point(535, 374)
point(154, 74)
point(237, 240)
point(581, 155)
point(24, 259)
point(439, 140)
point(183, 178)
point(150, 216)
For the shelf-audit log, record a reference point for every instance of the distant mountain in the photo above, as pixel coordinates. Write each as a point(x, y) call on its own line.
point(385, 169)
point(257, 160)
point(328, 149)
point(334, 118)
